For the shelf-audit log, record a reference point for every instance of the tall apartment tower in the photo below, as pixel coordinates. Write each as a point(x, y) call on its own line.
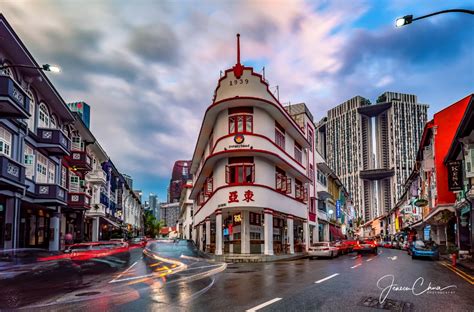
point(348, 140)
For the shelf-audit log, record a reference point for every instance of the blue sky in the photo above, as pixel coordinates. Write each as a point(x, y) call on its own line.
point(149, 68)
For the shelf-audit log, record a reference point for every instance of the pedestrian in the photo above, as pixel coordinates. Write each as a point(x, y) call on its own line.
point(68, 239)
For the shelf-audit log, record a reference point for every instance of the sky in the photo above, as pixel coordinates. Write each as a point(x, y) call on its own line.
point(149, 68)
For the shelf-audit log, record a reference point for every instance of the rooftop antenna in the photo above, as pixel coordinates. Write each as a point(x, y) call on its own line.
point(238, 48)
point(238, 68)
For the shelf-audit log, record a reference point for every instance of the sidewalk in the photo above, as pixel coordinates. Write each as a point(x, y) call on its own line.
point(466, 264)
point(248, 258)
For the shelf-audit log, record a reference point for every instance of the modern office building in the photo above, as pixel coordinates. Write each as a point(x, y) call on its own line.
point(153, 205)
point(355, 130)
point(84, 111)
point(181, 173)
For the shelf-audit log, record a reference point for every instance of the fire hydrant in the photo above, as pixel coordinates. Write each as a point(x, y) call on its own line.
point(453, 258)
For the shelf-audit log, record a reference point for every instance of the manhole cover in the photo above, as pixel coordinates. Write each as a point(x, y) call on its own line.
point(388, 304)
point(89, 293)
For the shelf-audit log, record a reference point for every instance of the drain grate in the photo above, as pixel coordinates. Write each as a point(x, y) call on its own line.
point(388, 304)
point(89, 293)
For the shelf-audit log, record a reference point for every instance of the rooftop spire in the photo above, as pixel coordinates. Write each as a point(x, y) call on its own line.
point(238, 68)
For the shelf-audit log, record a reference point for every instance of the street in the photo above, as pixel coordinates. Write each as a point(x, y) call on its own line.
point(340, 284)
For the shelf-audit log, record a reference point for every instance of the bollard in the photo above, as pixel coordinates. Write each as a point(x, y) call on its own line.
point(453, 257)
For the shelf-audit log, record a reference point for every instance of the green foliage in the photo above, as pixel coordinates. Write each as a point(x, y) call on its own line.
point(152, 225)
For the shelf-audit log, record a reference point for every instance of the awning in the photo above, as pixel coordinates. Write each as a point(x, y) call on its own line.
point(336, 232)
point(437, 212)
point(115, 224)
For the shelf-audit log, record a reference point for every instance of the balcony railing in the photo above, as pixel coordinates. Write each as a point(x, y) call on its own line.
point(13, 99)
point(79, 160)
point(51, 193)
point(54, 141)
point(79, 200)
point(12, 174)
point(97, 176)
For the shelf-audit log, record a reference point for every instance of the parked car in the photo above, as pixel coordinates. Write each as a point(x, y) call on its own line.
point(365, 245)
point(322, 249)
point(342, 248)
point(424, 249)
point(387, 244)
point(96, 256)
point(405, 245)
point(396, 244)
point(350, 244)
point(27, 275)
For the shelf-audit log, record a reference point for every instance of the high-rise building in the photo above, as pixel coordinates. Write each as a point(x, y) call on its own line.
point(153, 202)
point(129, 180)
point(348, 138)
point(84, 111)
point(181, 173)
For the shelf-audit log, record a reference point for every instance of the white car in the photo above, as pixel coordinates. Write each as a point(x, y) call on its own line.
point(322, 249)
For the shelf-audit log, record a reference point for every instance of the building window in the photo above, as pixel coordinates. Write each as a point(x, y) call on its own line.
point(43, 116)
point(240, 124)
point(31, 120)
point(5, 142)
point(283, 183)
point(51, 173)
point(255, 218)
point(312, 205)
point(74, 183)
point(76, 143)
point(208, 186)
point(300, 191)
point(64, 177)
point(279, 136)
point(298, 153)
point(29, 160)
point(241, 170)
point(41, 169)
point(310, 138)
point(53, 122)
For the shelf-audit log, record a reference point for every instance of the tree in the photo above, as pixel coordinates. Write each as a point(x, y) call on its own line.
point(152, 225)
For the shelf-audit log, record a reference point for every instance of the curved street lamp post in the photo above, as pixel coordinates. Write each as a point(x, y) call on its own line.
point(408, 19)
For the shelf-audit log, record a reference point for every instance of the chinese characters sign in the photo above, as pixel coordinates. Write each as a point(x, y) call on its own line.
point(455, 175)
point(234, 197)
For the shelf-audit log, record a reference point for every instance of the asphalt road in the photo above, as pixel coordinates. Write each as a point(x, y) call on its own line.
point(346, 283)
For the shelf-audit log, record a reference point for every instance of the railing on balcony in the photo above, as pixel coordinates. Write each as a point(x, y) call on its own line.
point(13, 99)
point(54, 141)
point(79, 200)
point(11, 172)
point(97, 176)
point(80, 160)
point(51, 192)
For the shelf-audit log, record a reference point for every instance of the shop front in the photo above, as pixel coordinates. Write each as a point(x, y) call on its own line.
point(35, 226)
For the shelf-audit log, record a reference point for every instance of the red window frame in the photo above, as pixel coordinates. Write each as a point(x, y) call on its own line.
point(255, 218)
point(282, 183)
point(310, 138)
point(280, 138)
point(301, 193)
point(247, 123)
point(235, 180)
point(209, 186)
point(298, 153)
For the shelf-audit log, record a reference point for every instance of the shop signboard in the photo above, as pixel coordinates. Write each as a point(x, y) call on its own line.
point(426, 232)
point(455, 181)
point(338, 209)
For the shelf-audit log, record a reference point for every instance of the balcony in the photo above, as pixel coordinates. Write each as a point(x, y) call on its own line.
point(12, 174)
point(97, 176)
point(50, 194)
point(80, 161)
point(54, 141)
point(14, 102)
point(79, 200)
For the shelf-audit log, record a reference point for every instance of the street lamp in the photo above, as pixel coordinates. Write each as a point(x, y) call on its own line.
point(408, 19)
point(45, 67)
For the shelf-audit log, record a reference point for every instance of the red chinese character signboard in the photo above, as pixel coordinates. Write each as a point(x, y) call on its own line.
point(233, 197)
point(248, 196)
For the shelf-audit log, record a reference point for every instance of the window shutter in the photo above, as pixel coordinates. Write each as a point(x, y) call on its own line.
point(288, 185)
point(227, 174)
point(253, 173)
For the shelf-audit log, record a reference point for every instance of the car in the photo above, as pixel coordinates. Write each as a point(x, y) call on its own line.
point(405, 245)
point(387, 244)
point(342, 248)
point(30, 274)
point(365, 245)
point(322, 249)
point(425, 249)
point(350, 244)
point(96, 256)
point(396, 244)
point(137, 242)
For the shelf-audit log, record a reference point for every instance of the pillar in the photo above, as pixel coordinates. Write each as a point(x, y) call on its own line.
point(218, 233)
point(306, 235)
point(268, 232)
point(316, 233)
point(208, 234)
point(291, 231)
point(95, 229)
point(200, 236)
point(54, 228)
point(245, 232)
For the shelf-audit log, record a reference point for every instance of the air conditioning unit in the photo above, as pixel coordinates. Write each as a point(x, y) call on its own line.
point(470, 163)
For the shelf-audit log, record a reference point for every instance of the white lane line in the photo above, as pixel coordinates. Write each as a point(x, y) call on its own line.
point(353, 258)
point(355, 266)
point(326, 278)
point(370, 259)
point(263, 305)
point(121, 274)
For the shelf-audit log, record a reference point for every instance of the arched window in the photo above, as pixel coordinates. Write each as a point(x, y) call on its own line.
point(43, 121)
point(31, 120)
point(53, 122)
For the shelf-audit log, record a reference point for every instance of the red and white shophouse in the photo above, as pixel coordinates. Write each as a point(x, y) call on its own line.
point(253, 171)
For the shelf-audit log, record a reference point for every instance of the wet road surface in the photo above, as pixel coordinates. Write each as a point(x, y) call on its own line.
point(346, 283)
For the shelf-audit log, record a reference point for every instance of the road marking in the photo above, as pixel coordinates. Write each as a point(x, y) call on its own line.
point(326, 278)
point(263, 305)
point(355, 266)
point(393, 258)
point(353, 258)
point(460, 273)
point(369, 259)
point(121, 274)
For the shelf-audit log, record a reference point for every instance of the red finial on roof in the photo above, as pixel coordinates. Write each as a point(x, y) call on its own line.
point(238, 68)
